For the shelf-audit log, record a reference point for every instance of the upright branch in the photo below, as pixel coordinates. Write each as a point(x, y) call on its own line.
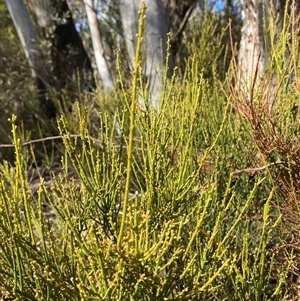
point(136, 76)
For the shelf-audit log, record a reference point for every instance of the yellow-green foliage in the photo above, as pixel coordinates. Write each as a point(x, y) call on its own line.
point(154, 214)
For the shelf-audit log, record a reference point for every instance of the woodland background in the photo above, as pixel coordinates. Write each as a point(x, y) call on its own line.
point(64, 59)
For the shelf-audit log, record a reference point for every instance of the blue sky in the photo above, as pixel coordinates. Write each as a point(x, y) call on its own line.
point(219, 5)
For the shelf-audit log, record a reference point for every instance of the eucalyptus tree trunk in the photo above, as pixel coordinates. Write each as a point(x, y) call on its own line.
point(155, 41)
point(256, 49)
point(41, 9)
point(31, 46)
point(29, 40)
point(69, 58)
point(71, 66)
point(102, 66)
point(70, 63)
point(252, 55)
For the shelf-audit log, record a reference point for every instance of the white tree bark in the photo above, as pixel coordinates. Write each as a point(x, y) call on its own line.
point(28, 37)
point(258, 15)
point(129, 16)
point(97, 45)
point(252, 54)
point(42, 11)
point(156, 40)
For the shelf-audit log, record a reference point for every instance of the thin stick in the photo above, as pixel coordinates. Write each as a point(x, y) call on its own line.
point(257, 169)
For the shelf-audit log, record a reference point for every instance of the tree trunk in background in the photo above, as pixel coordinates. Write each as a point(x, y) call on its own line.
point(29, 39)
point(102, 66)
point(178, 13)
point(69, 57)
point(71, 64)
point(71, 67)
point(252, 53)
point(155, 41)
point(30, 43)
point(41, 10)
point(129, 16)
point(258, 15)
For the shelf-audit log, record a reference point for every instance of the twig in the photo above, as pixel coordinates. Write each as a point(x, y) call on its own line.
point(44, 139)
point(257, 169)
point(33, 141)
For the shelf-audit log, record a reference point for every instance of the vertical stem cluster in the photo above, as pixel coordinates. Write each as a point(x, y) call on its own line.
point(136, 76)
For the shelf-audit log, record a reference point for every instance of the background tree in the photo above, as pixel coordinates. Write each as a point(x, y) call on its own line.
point(178, 14)
point(155, 40)
point(101, 63)
point(263, 23)
point(30, 41)
point(17, 86)
point(68, 55)
point(252, 52)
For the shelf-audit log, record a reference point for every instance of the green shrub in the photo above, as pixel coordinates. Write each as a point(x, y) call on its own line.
point(157, 213)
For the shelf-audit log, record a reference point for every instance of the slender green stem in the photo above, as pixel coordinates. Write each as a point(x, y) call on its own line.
point(134, 100)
